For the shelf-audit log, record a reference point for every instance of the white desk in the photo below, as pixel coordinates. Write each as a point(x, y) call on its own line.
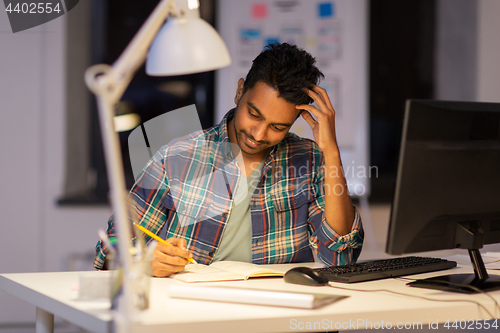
point(55, 294)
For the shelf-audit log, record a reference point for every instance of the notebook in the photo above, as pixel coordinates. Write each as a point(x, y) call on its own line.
point(224, 271)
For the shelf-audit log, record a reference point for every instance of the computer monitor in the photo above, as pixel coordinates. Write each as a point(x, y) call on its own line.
point(448, 187)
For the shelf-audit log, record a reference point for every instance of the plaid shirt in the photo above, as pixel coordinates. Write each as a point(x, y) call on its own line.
point(188, 188)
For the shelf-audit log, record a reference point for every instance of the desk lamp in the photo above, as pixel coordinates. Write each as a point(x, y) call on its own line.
point(185, 44)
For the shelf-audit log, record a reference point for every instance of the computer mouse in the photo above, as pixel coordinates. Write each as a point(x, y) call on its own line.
point(305, 276)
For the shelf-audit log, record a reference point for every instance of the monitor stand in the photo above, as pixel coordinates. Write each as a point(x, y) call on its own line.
point(480, 281)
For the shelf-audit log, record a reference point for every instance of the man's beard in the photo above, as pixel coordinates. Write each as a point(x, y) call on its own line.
point(242, 144)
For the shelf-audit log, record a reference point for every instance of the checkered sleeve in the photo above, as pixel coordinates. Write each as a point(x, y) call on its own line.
point(144, 201)
point(336, 249)
point(331, 247)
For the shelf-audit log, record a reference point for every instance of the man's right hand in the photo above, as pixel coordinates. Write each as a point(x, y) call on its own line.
point(168, 260)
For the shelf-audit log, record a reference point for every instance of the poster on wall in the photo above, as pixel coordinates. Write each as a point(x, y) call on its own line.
point(332, 31)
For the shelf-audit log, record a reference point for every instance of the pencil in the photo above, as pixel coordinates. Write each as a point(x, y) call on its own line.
point(152, 235)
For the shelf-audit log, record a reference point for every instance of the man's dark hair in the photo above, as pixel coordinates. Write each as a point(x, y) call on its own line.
point(286, 68)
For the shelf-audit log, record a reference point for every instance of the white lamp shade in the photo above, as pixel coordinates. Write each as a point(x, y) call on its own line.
point(186, 46)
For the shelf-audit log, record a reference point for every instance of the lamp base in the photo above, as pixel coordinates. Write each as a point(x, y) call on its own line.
point(461, 283)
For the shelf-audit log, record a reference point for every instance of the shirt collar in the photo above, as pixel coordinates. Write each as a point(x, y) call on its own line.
point(224, 143)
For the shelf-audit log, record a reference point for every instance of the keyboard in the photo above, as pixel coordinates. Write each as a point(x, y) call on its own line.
point(386, 268)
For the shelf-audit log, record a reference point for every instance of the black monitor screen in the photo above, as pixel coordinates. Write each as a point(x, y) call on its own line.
point(449, 173)
point(448, 183)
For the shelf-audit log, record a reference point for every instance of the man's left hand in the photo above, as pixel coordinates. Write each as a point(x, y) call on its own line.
point(324, 126)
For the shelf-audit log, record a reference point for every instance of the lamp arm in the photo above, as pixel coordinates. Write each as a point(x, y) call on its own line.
point(109, 83)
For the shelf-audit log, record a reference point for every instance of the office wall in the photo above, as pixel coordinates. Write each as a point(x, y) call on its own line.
point(36, 234)
point(20, 203)
point(488, 51)
point(456, 50)
point(467, 50)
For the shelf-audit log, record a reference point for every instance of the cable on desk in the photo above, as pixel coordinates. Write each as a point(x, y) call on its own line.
point(415, 296)
point(476, 289)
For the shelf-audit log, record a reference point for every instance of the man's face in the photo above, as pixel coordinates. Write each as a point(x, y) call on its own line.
point(262, 118)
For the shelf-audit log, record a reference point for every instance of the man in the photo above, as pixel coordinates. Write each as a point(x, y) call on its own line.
point(247, 189)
